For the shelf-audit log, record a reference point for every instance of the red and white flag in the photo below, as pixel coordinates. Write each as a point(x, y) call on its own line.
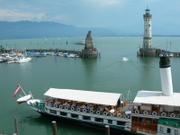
point(17, 90)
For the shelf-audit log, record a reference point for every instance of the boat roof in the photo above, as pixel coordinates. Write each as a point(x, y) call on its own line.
point(102, 98)
point(157, 98)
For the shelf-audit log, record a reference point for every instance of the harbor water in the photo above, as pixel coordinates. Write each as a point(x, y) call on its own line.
point(118, 69)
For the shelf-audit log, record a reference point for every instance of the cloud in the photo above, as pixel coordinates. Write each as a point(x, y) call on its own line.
point(12, 15)
point(104, 3)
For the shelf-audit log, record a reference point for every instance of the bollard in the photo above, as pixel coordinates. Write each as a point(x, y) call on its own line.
point(107, 129)
point(16, 126)
point(54, 127)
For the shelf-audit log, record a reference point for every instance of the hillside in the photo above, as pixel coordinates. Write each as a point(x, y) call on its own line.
point(28, 29)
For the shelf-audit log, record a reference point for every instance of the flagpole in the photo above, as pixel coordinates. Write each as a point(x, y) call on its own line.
point(22, 90)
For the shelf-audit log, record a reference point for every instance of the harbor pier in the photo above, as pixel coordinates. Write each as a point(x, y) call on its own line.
point(55, 51)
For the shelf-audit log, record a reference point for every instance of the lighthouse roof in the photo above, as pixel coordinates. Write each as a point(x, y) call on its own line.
point(157, 98)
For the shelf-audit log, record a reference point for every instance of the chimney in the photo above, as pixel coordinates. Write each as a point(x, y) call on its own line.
point(166, 76)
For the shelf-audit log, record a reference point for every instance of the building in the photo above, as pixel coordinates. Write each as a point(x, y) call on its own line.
point(152, 108)
point(89, 51)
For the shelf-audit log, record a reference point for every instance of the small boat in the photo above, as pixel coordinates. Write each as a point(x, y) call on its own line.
point(125, 59)
point(2, 59)
point(35, 54)
point(23, 59)
point(24, 98)
point(71, 55)
point(83, 106)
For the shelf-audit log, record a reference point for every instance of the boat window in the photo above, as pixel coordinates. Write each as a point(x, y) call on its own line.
point(99, 119)
point(168, 130)
point(161, 129)
point(86, 117)
point(63, 113)
point(52, 111)
point(120, 123)
point(175, 132)
point(74, 115)
point(110, 121)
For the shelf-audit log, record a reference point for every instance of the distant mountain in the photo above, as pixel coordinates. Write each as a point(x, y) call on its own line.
point(29, 29)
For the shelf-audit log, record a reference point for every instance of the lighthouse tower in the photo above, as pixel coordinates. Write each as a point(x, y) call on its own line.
point(147, 29)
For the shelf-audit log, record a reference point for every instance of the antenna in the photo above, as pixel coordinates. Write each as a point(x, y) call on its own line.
point(147, 4)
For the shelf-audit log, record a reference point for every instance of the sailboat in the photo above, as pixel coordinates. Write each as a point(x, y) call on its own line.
point(23, 98)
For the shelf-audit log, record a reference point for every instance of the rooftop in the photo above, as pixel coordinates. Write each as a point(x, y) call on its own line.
point(101, 98)
point(157, 98)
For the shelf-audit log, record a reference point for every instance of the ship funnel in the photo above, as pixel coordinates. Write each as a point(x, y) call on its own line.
point(166, 76)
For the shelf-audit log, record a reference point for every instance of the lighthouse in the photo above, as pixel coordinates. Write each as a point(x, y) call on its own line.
point(147, 29)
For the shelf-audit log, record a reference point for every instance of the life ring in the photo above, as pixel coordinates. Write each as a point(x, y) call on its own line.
point(72, 108)
point(97, 112)
point(105, 113)
point(112, 114)
point(154, 113)
point(163, 114)
point(60, 106)
point(78, 109)
point(84, 110)
point(66, 107)
point(172, 115)
point(119, 115)
point(91, 111)
point(136, 112)
point(145, 112)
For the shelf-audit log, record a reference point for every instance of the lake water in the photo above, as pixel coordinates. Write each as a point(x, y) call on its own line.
point(108, 73)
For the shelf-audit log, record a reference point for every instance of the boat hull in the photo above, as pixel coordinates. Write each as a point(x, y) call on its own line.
point(113, 129)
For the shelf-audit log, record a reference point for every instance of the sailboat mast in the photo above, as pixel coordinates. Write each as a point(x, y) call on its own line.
point(23, 90)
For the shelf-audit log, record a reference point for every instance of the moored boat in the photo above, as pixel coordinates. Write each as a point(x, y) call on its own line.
point(151, 112)
point(23, 59)
point(84, 106)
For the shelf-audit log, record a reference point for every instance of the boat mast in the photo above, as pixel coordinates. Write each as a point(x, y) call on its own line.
point(22, 90)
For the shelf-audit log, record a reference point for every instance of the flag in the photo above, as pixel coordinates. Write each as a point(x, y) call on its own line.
point(17, 90)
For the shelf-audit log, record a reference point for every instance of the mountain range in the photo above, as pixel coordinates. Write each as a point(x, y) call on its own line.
point(29, 29)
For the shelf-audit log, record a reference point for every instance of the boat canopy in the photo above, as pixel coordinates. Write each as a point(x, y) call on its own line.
point(157, 98)
point(101, 98)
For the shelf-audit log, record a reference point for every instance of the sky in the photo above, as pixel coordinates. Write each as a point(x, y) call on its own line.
point(120, 15)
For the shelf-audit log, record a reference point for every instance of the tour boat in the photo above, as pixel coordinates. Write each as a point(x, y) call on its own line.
point(101, 108)
point(151, 112)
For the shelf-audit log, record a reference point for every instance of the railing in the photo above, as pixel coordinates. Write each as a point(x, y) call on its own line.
point(162, 114)
point(87, 112)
